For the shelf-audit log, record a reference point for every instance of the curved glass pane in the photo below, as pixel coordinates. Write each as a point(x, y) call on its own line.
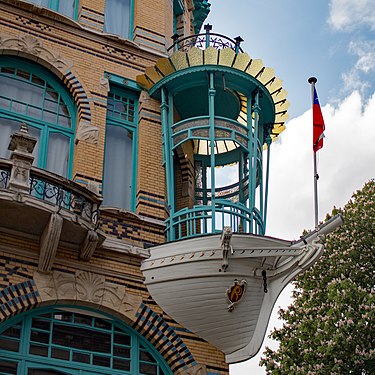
point(27, 94)
point(30, 95)
point(78, 340)
point(8, 127)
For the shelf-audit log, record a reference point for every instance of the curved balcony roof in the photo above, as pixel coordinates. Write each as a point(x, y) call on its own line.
point(227, 60)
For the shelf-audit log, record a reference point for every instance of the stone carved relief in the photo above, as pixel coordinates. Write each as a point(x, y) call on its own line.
point(46, 286)
point(87, 287)
point(33, 46)
point(90, 287)
point(144, 97)
point(104, 84)
point(87, 132)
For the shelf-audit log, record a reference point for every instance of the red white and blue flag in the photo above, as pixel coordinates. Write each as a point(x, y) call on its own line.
point(318, 124)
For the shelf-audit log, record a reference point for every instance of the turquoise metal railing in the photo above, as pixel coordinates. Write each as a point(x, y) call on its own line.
point(197, 221)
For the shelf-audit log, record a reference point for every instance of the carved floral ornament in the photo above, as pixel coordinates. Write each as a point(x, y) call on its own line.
point(34, 47)
point(86, 287)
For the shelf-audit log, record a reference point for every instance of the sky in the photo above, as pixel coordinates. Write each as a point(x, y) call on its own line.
point(333, 40)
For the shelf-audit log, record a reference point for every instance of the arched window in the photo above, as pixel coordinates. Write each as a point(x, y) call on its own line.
point(73, 341)
point(35, 96)
point(120, 149)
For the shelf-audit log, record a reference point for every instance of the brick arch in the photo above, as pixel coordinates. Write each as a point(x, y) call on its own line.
point(33, 49)
point(31, 294)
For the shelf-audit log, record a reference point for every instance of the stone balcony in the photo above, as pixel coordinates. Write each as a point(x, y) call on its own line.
point(46, 207)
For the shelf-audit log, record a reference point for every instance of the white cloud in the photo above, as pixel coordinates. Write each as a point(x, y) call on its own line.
point(345, 163)
point(346, 15)
point(355, 79)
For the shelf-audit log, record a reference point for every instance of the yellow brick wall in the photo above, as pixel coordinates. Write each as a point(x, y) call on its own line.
point(92, 54)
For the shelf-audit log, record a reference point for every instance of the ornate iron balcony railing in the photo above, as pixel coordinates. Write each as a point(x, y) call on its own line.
point(57, 190)
point(205, 40)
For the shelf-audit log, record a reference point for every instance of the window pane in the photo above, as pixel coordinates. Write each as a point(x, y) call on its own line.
point(83, 319)
point(64, 316)
point(118, 167)
point(12, 332)
point(43, 3)
point(60, 354)
point(42, 337)
point(58, 154)
point(45, 372)
point(66, 7)
point(21, 92)
point(121, 364)
point(148, 369)
point(101, 361)
point(9, 344)
point(39, 350)
point(7, 367)
point(122, 339)
point(81, 338)
point(81, 357)
point(117, 16)
point(121, 352)
point(147, 357)
point(100, 323)
point(41, 324)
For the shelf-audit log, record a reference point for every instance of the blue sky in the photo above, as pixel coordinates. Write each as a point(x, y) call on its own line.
point(333, 40)
point(301, 38)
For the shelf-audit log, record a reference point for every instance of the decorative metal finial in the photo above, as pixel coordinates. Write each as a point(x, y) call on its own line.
point(175, 37)
point(207, 27)
point(312, 80)
point(238, 40)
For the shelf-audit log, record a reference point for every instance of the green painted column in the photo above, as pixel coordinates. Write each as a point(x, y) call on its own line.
point(211, 112)
point(254, 156)
point(164, 109)
point(268, 142)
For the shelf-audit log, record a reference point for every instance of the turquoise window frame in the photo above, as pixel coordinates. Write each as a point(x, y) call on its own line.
point(131, 21)
point(131, 90)
point(44, 127)
point(26, 360)
point(178, 9)
point(54, 5)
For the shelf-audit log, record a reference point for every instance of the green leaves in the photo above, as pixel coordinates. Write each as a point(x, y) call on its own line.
point(329, 328)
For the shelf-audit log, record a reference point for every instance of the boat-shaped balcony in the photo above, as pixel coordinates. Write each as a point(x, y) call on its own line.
point(218, 274)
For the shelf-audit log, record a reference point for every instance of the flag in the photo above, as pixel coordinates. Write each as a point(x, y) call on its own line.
point(318, 124)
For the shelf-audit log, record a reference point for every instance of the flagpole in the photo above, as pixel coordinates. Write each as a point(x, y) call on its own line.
point(312, 81)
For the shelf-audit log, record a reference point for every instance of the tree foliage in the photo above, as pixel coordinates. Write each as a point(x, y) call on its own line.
point(330, 326)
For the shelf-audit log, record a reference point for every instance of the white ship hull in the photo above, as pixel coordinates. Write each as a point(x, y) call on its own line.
point(189, 280)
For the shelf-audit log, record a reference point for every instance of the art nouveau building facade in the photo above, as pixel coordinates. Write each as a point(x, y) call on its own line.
point(134, 156)
point(72, 295)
